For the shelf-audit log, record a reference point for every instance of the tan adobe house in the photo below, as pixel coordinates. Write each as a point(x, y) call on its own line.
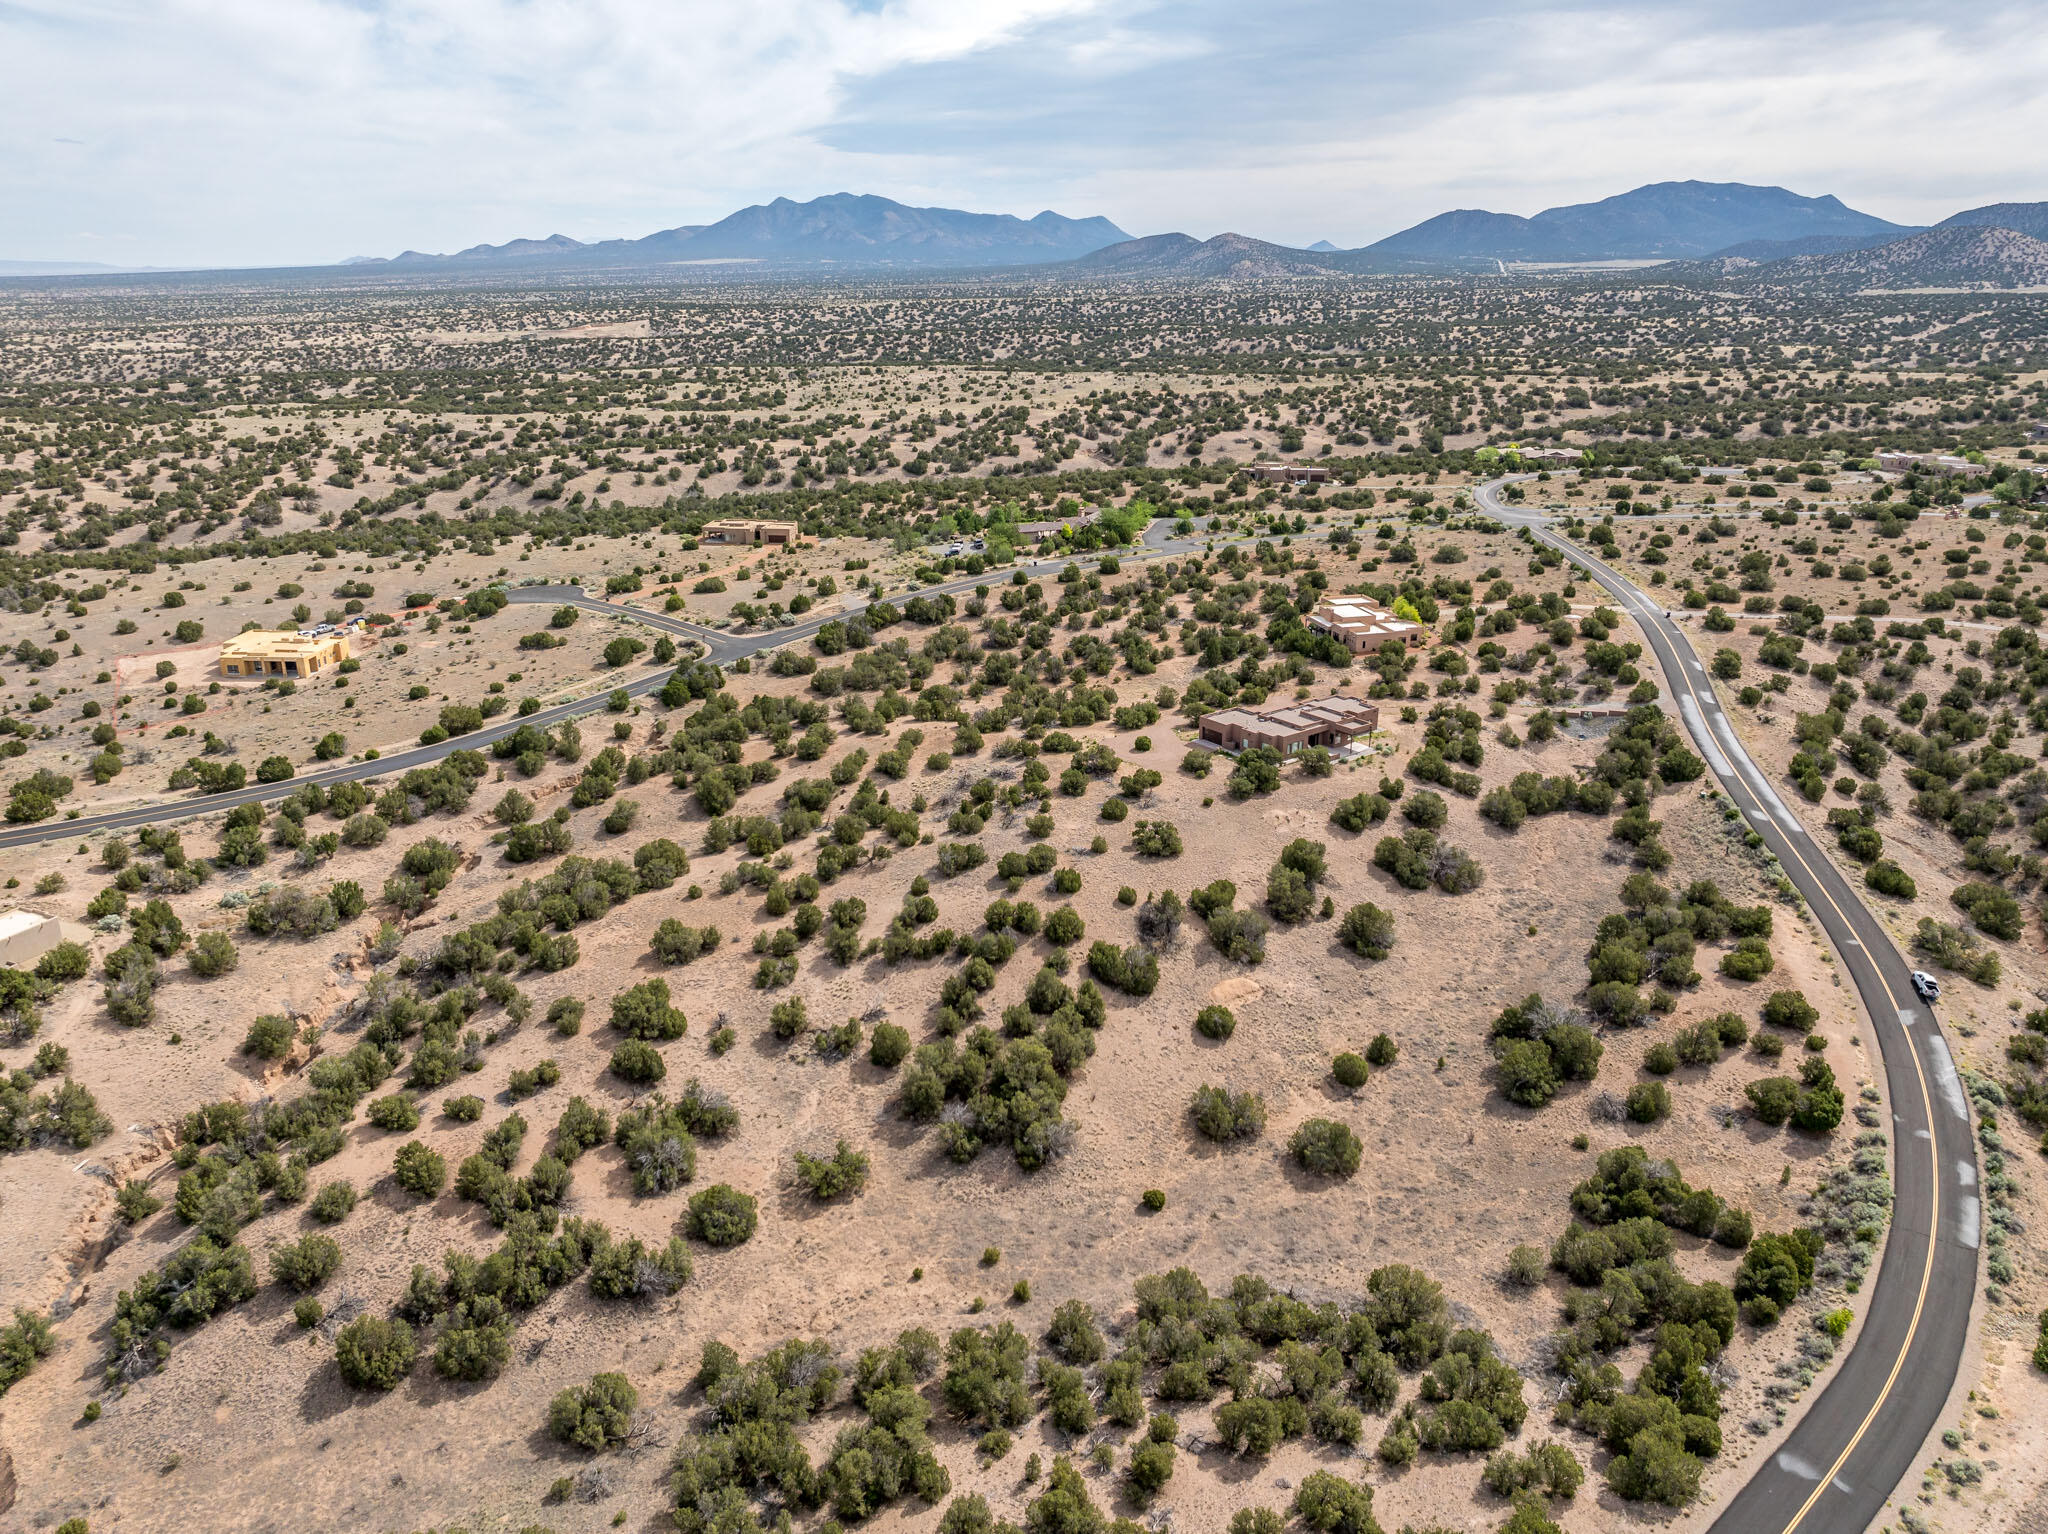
point(269, 652)
point(1361, 625)
point(1331, 722)
point(25, 937)
point(1039, 532)
point(1931, 463)
point(1290, 473)
point(737, 531)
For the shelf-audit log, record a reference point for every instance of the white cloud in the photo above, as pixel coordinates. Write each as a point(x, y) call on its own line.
point(267, 131)
point(1908, 120)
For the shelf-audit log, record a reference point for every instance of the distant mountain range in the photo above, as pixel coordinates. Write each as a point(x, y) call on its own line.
point(2022, 217)
point(1700, 228)
point(1233, 256)
point(1704, 229)
point(1951, 255)
point(843, 229)
point(1670, 219)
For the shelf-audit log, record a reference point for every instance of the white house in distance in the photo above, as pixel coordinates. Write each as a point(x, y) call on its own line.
point(1360, 625)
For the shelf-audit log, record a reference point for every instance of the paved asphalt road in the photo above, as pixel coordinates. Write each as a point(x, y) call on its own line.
point(718, 647)
point(1859, 1438)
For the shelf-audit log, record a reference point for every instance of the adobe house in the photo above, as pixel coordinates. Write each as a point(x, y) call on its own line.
point(25, 937)
point(270, 652)
point(1330, 722)
point(738, 531)
point(1290, 473)
point(1360, 625)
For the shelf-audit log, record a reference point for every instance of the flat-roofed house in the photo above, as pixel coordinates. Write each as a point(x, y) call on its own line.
point(1930, 463)
point(271, 652)
point(741, 531)
point(1362, 625)
point(25, 937)
point(1290, 473)
point(1331, 722)
point(1040, 532)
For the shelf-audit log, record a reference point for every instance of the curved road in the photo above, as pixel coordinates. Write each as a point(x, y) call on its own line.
point(1858, 1439)
point(717, 647)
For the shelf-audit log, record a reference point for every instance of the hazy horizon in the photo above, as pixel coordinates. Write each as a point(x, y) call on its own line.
point(305, 132)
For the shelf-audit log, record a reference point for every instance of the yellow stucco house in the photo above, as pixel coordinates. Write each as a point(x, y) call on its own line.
point(270, 652)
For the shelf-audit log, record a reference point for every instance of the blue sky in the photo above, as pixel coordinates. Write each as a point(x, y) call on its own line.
point(250, 132)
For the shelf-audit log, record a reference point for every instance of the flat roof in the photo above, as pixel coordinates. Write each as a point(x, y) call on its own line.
point(278, 639)
point(14, 923)
point(1338, 708)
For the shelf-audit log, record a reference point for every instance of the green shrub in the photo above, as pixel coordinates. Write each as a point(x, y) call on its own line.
point(889, 1046)
point(1526, 1266)
point(1325, 1147)
point(644, 1012)
point(828, 1177)
point(1350, 1070)
point(1648, 1101)
point(1073, 1335)
point(1330, 1504)
point(135, 1203)
point(1215, 1022)
point(332, 1204)
point(638, 1062)
point(723, 1216)
point(269, 1037)
point(1367, 930)
point(374, 1353)
point(419, 1169)
point(306, 1263)
point(395, 1112)
point(594, 1416)
point(1527, 1072)
point(1223, 1115)
point(213, 954)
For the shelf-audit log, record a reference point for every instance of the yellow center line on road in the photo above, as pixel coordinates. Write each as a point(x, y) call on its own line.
point(1933, 1159)
point(1919, 1071)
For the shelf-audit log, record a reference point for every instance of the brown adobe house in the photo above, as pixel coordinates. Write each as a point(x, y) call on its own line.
point(1290, 473)
point(1331, 722)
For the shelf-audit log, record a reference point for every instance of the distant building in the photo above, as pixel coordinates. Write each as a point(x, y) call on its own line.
point(1549, 454)
point(1362, 626)
point(1290, 473)
point(1333, 721)
point(269, 652)
point(25, 937)
point(737, 531)
point(1039, 532)
point(2038, 431)
point(1930, 463)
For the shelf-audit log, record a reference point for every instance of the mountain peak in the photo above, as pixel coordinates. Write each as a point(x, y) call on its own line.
point(1665, 219)
point(846, 228)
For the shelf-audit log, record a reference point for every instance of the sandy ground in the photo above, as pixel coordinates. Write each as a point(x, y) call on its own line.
point(262, 1434)
point(2000, 1421)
